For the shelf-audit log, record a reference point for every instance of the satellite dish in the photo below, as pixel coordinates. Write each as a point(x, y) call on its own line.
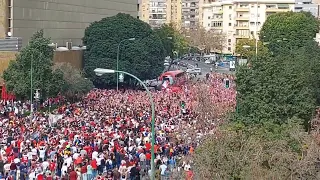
point(9, 34)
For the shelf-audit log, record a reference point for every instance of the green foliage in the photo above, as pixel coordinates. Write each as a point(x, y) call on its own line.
point(296, 29)
point(285, 84)
point(76, 85)
point(251, 51)
point(142, 57)
point(178, 42)
point(18, 75)
point(268, 151)
point(276, 89)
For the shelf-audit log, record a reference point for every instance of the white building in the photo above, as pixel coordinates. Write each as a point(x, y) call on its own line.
point(240, 19)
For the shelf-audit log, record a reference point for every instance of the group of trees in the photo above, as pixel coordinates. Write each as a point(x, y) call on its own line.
point(34, 68)
point(277, 96)
point(213, 40)
point(120, 41)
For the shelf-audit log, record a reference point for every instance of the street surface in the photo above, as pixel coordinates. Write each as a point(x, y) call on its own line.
point(205, 68)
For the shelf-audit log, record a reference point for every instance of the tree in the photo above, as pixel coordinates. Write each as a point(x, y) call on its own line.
point(172, 39)
point(249, 152)
point(142, 57)
point(275, 89)
point(250, 51)
point(76, 85)
point(212, 40)
point(18, 75)
point(296, 29)
point(284, 83)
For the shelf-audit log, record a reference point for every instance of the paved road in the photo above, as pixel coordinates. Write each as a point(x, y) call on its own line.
point(205, 68)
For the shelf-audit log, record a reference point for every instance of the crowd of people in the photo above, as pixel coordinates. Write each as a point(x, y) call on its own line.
point(107, 135)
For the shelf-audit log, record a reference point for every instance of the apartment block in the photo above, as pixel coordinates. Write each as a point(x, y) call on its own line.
point(62, 20)
point(156, 12)
point(191, 13)
point(307, 6)
point(241, 19)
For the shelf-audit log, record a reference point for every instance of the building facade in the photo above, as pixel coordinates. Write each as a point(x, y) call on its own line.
point(241, 19)
point(156, 12)
point(307, 6)
point(63, 21)
point(191, 13)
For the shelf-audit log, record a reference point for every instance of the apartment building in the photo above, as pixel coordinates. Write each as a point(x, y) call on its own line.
point(307, 6)
point(62, 20)
point(156, 12)
point(191, 13)
point(240, 19)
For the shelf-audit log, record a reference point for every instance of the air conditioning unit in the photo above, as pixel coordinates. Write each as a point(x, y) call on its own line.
point(69, 45)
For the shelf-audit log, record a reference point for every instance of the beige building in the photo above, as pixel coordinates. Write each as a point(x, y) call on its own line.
point(240, 19)
point(183, 13)
point(62, 20)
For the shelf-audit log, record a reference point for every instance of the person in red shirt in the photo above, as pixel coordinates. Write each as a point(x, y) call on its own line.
point(93, 164)
point(40, 177)
point(52, 166)
point(73, 175)
point(84, 168)
point(148, 146)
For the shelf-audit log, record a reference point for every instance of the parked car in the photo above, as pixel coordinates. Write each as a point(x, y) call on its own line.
point(197, 71)
point(208, 61)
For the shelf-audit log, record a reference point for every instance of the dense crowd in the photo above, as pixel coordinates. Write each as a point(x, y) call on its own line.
point(107, 134)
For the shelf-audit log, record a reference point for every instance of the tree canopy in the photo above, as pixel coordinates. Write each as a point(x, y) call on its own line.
point(142, 57)
point(212, 40)
point(18, 75)
point(251, 49)
point(282, 84)
point(75, 84)
point(295, 29)
point(172, 40)
point(268, 152)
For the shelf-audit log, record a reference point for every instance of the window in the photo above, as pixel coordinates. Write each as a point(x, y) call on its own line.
point(229, 40)
point(258, 15)
point(208, 17)
point(208, 24)
point(230, 7)
point(230, 24)
point(216, 24)
point(229, 48)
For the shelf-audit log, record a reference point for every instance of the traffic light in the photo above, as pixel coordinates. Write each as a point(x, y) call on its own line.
point(121, 77)
point(183, 104)
point(37, 94)
point(227, 83)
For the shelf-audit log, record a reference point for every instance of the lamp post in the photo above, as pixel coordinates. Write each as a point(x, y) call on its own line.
point(100, 72)
point(52, 45)
point(130, 39)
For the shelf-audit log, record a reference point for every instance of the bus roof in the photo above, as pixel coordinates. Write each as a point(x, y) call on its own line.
point(172, 73)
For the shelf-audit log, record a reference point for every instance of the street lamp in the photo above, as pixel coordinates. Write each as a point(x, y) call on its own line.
point(130, 39)
point(100, 72)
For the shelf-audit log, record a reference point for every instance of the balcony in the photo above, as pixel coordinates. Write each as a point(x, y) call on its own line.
point(242, 18)
point(242, 9)
point(190, 7)
point(241, 36)
point(241, 26)
point(276, 10)
point(218, 12)
point(157, 12)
